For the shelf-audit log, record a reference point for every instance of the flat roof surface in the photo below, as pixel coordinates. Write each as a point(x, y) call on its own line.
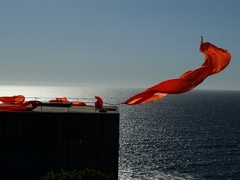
point(77, 109)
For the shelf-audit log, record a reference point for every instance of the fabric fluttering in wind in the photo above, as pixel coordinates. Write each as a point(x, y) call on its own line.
point(98, 103)
point(216, 59)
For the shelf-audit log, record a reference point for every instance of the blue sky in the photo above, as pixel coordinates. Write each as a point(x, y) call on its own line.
point(109, 43)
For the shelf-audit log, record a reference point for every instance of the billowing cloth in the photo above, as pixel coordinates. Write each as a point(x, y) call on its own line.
point(19, 99)
point(216, 59)
point(98, 103)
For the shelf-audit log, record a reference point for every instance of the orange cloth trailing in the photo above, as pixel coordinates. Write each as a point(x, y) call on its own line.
point(216, 59)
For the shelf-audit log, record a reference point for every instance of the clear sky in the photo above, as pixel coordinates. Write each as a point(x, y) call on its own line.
point(110, 43)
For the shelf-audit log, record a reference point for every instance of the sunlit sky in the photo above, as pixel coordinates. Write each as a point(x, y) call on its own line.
point(110, 43)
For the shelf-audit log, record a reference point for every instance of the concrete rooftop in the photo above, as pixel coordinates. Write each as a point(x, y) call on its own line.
point(76, 109)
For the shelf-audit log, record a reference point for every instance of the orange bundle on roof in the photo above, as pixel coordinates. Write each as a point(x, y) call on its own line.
point(19, 99)
point(78, 103)
point(26, 106)
point(61, 99)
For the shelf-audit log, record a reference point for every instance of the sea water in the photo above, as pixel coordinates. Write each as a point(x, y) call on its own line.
point(195, 135)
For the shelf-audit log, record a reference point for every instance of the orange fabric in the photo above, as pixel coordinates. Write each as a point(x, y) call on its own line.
point(98, 103)
point(12, 99)
point(78, 103)
point(145, 97)
point(26, 106)
point(65, 100)
point(61, 99)
point(216, 59)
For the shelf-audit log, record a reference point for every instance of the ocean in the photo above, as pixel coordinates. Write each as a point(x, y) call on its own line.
point(190, 136)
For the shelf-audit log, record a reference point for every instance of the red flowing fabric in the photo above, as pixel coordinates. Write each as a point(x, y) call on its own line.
point(12, 99)
point(216, 59)
point(78, 103)
point(61, 99)
point(98, 103)
point(26, 106)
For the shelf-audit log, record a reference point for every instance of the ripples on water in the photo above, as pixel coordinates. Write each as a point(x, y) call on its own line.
point(190, 136)
point(195, 135)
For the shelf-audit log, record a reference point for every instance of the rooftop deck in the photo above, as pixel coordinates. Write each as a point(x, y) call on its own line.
point(76, 109)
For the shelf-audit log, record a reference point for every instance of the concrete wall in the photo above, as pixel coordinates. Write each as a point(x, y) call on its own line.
point(34, 143)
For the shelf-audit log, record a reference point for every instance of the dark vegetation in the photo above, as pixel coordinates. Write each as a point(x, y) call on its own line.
point(86, 174)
